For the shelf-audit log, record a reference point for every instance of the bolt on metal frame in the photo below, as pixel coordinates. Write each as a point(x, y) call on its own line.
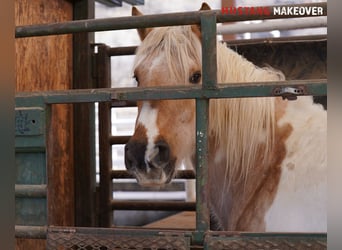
point(209, 89)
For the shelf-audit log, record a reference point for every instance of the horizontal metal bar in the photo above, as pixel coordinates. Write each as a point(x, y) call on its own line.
point(30, 232)
point(31, 191)
point(121, 51)
point(123, 104)
point(158, 20)
point(114, 140)
point(181, 174)
point(135, 187)
point(260, 89)
point(114, 231)
point(154, 205)
point(292, 24)
point(231, 90)
point(66, 96)
point(277, 40)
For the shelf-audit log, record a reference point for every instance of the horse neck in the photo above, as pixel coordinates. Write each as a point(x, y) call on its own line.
point(242, 128)
point(241, 135)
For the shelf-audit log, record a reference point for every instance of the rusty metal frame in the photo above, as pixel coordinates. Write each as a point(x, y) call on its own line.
point(210, 89)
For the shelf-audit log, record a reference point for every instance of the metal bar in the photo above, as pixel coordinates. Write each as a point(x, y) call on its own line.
point(105, 149)
point(31, 232)
point(83, 120)
point(295, 23)
point(114, 140)
point(134, 2)
point(209, 81)
point(123, 104)
point(276, 40)
point(130, 50)
point(122, 51)
point(181, 174)
point(202, 211)
point(31, 191)
point(209, 61)
point(158, 20)
point(155, 205)
point(228, 90)
point(135, 187)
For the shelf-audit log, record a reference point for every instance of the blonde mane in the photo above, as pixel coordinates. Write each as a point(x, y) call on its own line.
point(240, 127)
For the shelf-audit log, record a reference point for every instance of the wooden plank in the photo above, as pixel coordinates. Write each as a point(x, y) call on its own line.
point(183, 220)
point(45, 63)
point(30, 244)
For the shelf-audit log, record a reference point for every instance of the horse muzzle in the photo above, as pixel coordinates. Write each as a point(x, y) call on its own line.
point(149, 165)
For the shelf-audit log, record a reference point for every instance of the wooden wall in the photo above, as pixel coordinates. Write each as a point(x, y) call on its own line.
point(45, 63)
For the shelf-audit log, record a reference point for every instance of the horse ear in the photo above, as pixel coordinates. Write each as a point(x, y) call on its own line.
point(205, 6)
point(197, 28)
point(143, 32)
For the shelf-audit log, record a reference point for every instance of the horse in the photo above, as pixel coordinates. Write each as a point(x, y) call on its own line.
point(267, 166)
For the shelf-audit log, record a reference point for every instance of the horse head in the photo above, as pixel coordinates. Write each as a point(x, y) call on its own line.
point(164, 132)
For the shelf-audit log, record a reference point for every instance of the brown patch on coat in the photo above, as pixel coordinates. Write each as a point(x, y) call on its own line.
point(262, 190)
point(280, 107)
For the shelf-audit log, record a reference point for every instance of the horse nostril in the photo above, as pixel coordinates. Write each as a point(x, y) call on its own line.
point(163, 155)
point(134, 155)
point(129, 158)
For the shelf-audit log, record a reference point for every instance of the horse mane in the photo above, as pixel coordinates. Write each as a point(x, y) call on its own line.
point(243, 128)
point(239, 126)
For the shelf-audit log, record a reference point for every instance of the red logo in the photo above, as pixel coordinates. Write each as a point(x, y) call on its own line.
point(247, 11)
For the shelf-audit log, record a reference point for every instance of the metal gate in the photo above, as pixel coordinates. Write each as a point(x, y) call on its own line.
point(32, 128)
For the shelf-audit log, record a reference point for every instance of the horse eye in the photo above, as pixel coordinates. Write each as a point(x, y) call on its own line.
point(195, 77)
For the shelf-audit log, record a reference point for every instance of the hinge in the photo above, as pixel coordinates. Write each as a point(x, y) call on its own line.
point(289, 93)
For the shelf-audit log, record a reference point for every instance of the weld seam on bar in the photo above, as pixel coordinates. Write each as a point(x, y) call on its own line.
point(158, 20)
point(31, 191)
point(31, 232)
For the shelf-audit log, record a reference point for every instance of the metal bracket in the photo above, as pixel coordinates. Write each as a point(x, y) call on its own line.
point(289, 93)
point(29, 121)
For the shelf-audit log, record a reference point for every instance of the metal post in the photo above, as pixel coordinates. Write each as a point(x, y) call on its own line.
point(105, 196)
point(209, 81)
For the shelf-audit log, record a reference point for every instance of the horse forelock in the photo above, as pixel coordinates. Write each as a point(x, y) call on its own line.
point(179, 48)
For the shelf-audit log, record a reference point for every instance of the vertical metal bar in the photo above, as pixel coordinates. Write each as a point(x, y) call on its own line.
point(202, 211)
point(105, 196)
point(84, 121)
point(209, 61)
point(209, 80)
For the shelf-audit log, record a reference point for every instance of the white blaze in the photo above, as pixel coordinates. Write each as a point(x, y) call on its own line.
point(148, 119)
